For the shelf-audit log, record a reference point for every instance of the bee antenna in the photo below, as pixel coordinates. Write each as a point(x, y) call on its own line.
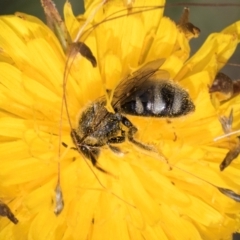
point(89, 19)
point(227, 192)
point(226, 135)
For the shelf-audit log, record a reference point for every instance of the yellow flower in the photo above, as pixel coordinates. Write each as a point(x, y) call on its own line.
point(142, 198)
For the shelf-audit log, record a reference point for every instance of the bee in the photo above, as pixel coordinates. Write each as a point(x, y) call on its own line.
point(144, 93)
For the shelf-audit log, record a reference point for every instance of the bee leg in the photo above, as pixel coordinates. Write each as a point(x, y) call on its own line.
point(92, 156)
point(118, 139)
point(95, 164)
point(116, 150)
point(132, 130)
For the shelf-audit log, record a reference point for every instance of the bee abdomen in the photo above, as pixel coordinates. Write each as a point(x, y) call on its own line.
point(165, 99)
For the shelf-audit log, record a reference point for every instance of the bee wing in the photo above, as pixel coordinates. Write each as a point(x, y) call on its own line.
point(129, 87)
point(136, 82)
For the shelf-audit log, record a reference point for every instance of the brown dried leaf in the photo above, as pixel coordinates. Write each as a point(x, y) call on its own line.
point(186, 27)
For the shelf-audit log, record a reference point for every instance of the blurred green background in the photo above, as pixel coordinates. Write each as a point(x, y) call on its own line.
point(208, 19)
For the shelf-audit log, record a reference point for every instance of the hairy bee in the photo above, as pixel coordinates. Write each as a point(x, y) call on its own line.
point(144, 93)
